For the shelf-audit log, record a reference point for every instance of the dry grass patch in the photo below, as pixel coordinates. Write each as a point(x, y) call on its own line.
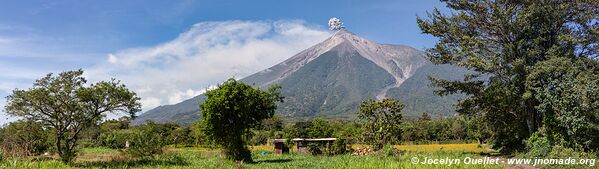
point(466, 148)
point(263, 148)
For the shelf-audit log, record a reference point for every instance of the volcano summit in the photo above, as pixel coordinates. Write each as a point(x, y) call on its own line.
point(331, 78)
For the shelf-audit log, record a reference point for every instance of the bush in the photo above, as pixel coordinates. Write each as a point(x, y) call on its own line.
point(561, 152)
point(564, 152)
point(147, 140)
point(320, 128)
point(23, 138)
point(315, 148)
point(390, 151)
point(115, 139)
point(181, 135)
point(537, 145)
point(88, 143)
point(277, 134)
point(259, 138)
point(338, 147)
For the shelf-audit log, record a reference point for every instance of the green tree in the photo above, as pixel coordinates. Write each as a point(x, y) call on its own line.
point(300, 129)
point(103, 134)
point(64, 105)
point(568, 95)
point(116, 139)
point(408, 131)
point(115, 124)
point(198, 135)
point(259, 137)
point(458, 128)
point(382, 121)
point(232, 110)
point(23, 138)
point(350, 131)
point(148, 139)
point(423, 130)
point(424, 117)
point(275, 123)
point(501, 42)
point(477, 130)
point(439, 129)
point(181, 135)
point(320, 128)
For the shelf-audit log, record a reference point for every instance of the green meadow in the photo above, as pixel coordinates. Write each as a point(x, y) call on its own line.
point(200, 157)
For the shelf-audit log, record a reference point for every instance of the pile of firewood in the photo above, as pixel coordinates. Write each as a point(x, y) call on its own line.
point(361, 151)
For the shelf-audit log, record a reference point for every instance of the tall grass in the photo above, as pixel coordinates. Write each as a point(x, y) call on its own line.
point(195, 157)
point(466, 148)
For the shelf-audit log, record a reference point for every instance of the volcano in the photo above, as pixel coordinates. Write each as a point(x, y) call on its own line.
point(331, 79)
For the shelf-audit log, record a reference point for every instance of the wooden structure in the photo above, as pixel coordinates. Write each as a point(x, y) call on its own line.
point(301, 143)
point(280, 146)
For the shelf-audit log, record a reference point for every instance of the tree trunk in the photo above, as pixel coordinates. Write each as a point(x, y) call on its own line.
point(58, 144)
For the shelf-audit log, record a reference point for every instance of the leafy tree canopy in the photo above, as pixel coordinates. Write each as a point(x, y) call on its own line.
point(503, 42)
point(382, 121)
point(231, 110)
point(65, 105)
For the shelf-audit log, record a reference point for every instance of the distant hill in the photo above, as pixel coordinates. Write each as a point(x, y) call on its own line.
point(331, 78)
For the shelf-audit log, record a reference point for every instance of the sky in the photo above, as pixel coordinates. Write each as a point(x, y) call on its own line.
point(171, 50)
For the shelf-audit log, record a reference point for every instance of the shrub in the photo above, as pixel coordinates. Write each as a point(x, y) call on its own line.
point(115, 139)
point(23, 138)
point(181, 135)
point(259, 138)
point(538, 145)
point(315, 148)
point(561, 152)
point(277, 134)
point(320, 128)
point(564, 152)
point(87, 143)
point(390, 151)
point(147, 140)
point(339, 146)
point(197, 134)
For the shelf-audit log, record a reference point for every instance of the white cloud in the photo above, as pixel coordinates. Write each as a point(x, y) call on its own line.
point(150, 102)
point(207, 54)
point(179, 96)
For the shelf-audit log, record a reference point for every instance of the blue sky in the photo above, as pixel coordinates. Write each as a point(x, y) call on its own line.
point(203, 41)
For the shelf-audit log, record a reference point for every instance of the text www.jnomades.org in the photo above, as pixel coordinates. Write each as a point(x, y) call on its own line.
point(495, 161)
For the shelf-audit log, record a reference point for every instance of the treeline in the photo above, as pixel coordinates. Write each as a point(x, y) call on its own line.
point(422, 130)
point(26, 138)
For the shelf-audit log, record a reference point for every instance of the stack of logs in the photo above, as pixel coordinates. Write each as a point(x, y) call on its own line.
point(361, 151)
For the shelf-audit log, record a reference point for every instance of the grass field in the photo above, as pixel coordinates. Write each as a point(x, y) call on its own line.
point(465, 148)
point(195, 157)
